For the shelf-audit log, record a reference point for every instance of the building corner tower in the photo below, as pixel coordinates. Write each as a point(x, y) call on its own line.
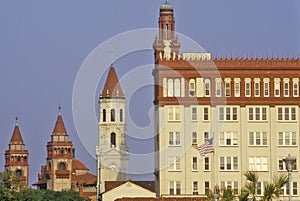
point(16, 158)
point(112, 151)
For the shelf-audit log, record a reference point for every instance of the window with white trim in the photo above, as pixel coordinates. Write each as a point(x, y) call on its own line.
point(281, 164)
point(295, 87)
point(218, 87)
point(194, 138)
point(286, 113)
point(257, 114)
point(260, 187)
point(177, 87)
point(205, 114)
point(174, 187)
point(287, 139)
point(257, 87)
point(258, 163)
point(174, 113)
point(174, 163)
point(266, 87)
point(194, 164)
point(205, 136)
point(228, 113)
point(258, 138)
point(228, 139)
point(277, 87)
point(206, 164)
point(228, 163)
point(237, 87)
point(286, 190)
point(227, 87)
point(248, 87)
point(170, 87)
point(194, 113)
point(192, 87)
point(230, 185)
point(206, 187)
point(195, 187)
point(207, 87)
point(174, 138)
point(286, 87)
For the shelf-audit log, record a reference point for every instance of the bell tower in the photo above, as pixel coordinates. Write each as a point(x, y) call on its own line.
point(16, 158)
point(112, 151)
point(166, 42)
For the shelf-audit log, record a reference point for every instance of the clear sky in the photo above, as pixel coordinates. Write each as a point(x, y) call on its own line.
point(44, 43)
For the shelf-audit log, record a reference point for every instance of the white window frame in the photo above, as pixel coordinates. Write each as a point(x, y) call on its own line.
point(194, 163)
point(206, 162)
point(260, 188)
point(174, 113)
point(194, 113)
point(174, 138)
point(295, 87)
point(287, 138)
point(237, 87)
point(257, 87)
point(286, 113)
point(295, 189)
point(230, 185)
point(248, 87)
point(277, 87)
point(258, 138)
point(195, 187)
point(174, 185)
point(218, 87)
point(194, 138)
point(174, 163)
point(228, 139)
point(228, 113)
point(206, 113)
point(286, 87)
point(170, 91)
point(227, 87)
point(258, 163)
point(177, 87)
point(205, 136)
point(281, 165)
point(266, 87)
point(192, 88)
point(207, 87)
point(230, 163)
point(257, 113)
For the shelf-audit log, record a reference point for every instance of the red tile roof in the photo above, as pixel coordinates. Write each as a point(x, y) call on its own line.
point(16, 136)
point(85, 179)
point(59, 127)
point(112, 86)
point(78, 165)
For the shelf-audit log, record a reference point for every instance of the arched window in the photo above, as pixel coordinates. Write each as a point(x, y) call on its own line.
point(62, 166)
point(192, 87)
point(19, 159)
point(112, 115)
point(121, 115)
point(18, 173)
point(104, 115)
point(113, 139)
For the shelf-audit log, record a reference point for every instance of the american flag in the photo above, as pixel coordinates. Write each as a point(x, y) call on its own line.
point(206, 148)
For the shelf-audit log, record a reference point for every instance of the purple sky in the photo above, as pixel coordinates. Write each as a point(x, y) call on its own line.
point(44, 43)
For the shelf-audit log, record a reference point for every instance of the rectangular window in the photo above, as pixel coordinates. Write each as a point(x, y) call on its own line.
point(174, 187)
point(174, 138)
point(194, 164)
point(230, 185)
point(295, 87)
point(266, 89)
point(195, 188)
point(256, 89)
point(257, 114)
point(206, 187)
point(207, 87)
point(247, 87)
point(229, 163)
point(281, 164)
point(287, 138)
point(206, 164)
point(260, 188)
point(194, 138)
point(294, 189)
point(174, 163)
point(228, 113)
point(227, 89)
point(206, 114)
point(258, 138)
point(192, 87)
point(174, 113)
point(170, 87)
point(218, 89)
point(194, 114)
point(205, 136)
point(237, 87)
point(286, 113)
point(286, 89)
point(277, 87)
point(258, 163)
point(228, 139)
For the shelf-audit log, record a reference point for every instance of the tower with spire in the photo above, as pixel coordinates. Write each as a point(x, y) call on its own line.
point(16, 159)
point(112, 151)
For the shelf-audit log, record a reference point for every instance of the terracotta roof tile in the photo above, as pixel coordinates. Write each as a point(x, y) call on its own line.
point(78, 165)
point(16, 136)
point(112, 86)
point(87, 178)
point(59, 127)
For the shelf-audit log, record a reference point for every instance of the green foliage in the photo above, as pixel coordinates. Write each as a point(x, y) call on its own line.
point(224, 194)
point(248, 192)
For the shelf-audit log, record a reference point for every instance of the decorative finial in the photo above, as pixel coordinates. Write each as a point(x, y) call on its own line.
point(17, 120)
point(59, 109)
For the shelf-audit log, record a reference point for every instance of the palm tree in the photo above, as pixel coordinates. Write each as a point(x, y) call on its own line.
point(227, 195)
point(224, 194)
point(249, 190)
point(274, 189)
point(209, 195)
